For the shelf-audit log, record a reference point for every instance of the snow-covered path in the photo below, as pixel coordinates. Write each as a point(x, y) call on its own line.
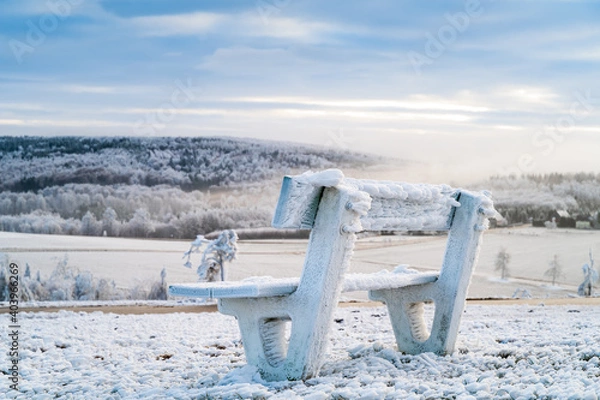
point(504, 352)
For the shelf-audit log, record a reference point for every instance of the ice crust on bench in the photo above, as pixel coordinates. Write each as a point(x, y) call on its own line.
point(388, 205)
point(265, 286)
point(404, 206)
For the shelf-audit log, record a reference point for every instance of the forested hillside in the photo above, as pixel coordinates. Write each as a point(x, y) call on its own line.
point(33, 163)
point(520, 199)
point(154, 187)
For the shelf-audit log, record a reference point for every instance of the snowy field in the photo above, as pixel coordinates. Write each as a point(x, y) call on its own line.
point(504, 352)
point(128, 261)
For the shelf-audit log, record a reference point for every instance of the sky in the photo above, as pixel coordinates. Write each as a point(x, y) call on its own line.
point(461, 89)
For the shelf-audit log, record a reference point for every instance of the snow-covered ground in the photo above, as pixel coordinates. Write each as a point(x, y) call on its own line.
point(128, 260)
point(504, 352)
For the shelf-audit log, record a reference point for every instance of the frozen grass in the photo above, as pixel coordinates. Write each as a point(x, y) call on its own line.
point(504, 352)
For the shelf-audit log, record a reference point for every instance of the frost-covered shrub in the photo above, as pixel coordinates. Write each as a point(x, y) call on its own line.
point(107, 290)
point(217, 251)
point(59, 294)
point(64, 284)
point(37, 289)
point(84, 287)
point(159, 288)
point(4, 287)
point(61, 283)
point(139, 291)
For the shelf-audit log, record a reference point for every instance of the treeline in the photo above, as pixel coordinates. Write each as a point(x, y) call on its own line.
point(520, 199)
point(35, 163)
point(134, 210)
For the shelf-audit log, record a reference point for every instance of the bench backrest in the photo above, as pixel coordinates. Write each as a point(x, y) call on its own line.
point(394, 206)
point(316, 201)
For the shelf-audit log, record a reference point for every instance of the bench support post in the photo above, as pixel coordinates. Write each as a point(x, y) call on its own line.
point(448, 293)
point(310, 308)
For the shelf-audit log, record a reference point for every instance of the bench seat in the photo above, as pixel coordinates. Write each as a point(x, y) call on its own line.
point(269, 287)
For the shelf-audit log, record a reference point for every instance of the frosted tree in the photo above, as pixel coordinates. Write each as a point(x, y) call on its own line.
point(214, 256)
point(502, 260)
point(555, 270)
point(590, 276)
point(141, 224)
point(110, 224)
point(89, 225)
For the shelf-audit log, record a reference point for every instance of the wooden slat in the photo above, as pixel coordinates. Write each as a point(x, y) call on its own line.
point(390, 280)
point(286, 286)
point(217, 290)
point(297, 205)
point(395, 206)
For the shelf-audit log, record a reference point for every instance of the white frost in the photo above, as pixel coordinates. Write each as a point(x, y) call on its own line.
point(506, 351)
point(327, 178)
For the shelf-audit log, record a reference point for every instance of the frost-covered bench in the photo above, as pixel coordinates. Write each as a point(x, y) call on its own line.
point(335, 208)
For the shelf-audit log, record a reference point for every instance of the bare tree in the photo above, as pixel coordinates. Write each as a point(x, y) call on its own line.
point(555, 270)
point(159, 289)
point(223, 248)
point(590, 276)
point(502, 260)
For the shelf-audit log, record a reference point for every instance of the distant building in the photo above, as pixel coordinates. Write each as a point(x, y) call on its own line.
point(562, 218)
point(583, 225)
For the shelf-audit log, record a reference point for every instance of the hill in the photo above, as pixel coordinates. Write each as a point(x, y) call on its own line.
point(34, 163)
point(149, 187)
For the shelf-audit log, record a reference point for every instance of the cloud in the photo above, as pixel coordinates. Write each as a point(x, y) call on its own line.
point(306, 69)
point(72, 123)
point(237, 25)
point(413, 103)
point(89, 89)
point(24, 7)
point(60, 8)
point(243, 60)
point(176, 25)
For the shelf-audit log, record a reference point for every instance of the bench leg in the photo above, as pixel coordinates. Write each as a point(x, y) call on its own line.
point(406, 315)
point(262, 323)
point(406, 308)
point(310, 308)
point(449, 292)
